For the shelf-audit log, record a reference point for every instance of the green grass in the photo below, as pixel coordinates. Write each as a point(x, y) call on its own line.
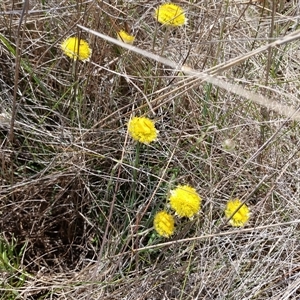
point(13, 277)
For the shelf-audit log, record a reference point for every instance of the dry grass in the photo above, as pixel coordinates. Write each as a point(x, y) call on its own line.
point(78, 196)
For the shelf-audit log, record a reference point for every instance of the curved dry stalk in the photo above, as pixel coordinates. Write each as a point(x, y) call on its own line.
point(282, 109)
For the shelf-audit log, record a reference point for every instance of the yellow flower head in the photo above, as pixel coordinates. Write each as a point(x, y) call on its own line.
point(125, 37)
point(164, 224)
point(170, 14)
point(241, 217)
point(142, 129)
point(76, 48)
point(185, 201)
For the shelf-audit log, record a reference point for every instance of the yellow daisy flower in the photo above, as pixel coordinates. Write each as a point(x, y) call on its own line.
point(125, 37)
point(239, 218)
point(185, 201)
point(76, 48)
point(170, 14)
point(142, 129)
point(164, 224)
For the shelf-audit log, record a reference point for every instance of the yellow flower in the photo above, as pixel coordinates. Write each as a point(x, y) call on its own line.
point(164, 224)
point(125, 37)
point(170, 14)
point(76, 48)
point(142, 129)
point(239, 218)
point(185, 201)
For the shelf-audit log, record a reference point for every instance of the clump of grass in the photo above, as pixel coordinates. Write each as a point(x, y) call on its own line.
point(79, 196)
point(12, 275)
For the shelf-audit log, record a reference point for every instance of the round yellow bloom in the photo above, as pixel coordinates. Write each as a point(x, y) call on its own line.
point(241, 217)
point(164, 224)
point(185, 201)
point(170, 14)
point(76, 48)
point(125, 37)
point(142, 129)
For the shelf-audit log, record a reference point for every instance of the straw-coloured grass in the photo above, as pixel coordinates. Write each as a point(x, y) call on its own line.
point(79, 195)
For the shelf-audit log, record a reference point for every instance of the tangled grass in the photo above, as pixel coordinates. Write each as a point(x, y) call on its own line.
point(78, 195)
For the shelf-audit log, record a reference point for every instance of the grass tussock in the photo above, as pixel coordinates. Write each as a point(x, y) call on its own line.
point(79, 195)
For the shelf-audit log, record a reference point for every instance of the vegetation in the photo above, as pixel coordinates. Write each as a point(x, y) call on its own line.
point(219, 80)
